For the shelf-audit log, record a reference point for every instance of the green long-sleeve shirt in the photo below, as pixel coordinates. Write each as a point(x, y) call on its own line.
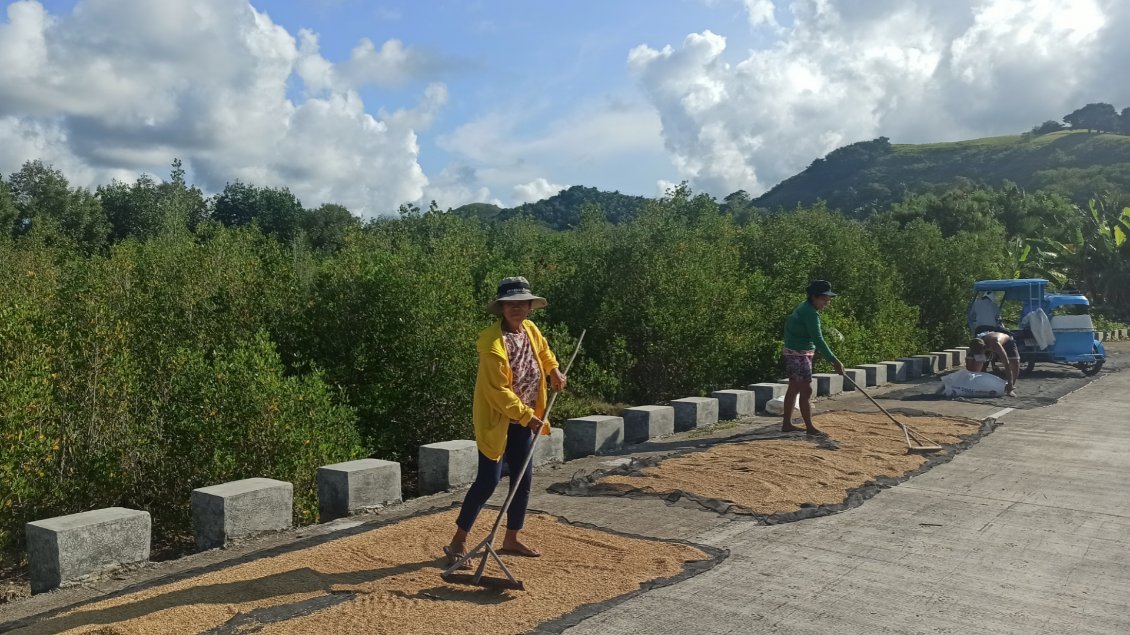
point(802, 331)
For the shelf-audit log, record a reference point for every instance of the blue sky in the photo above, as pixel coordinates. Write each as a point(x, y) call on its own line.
point(371, 104)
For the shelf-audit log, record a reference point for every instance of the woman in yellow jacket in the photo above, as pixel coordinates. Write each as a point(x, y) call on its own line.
point(510, 399)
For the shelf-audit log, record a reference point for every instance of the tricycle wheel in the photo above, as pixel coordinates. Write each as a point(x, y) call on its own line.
point(1090, 368)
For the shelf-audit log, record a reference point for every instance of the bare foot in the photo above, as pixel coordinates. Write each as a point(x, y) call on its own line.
point(516, 548)
point(788, 427)
point(813, 432)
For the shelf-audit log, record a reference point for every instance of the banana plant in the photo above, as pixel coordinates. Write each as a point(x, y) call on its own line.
point(1098, 260)
point(1017, 251)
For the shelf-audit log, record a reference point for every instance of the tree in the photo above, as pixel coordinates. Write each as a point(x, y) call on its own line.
point(47, 205)
point(739, 206)
point(8, 212)
point(952, 211)
point(1100, 117)
point(1098, 257)
point(327, 226)
point(1047, 127)
point(1124, 121)
point(181, 201)
point(276, 210)
point(148, 208)
point(132, 210)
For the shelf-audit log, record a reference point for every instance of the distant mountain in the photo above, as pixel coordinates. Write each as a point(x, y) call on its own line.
point(562, 210)
point(873, 174)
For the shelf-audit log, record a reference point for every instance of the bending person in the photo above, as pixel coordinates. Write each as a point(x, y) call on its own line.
point(803, 338)
point(510, 399)
point(1001, 344)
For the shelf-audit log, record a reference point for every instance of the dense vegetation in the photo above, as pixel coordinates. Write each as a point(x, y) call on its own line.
point(154, 340)
point(562, 210)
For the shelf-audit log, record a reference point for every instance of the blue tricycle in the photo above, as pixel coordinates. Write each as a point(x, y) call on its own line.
point(1075, 341)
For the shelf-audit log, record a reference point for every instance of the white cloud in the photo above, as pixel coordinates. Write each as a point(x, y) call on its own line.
point(391, 65)
point(458, 185)
point(536, 190)
point(761, 12)
point(847, 71)
point(119, 87)
point(598, 132)
point(664, 187)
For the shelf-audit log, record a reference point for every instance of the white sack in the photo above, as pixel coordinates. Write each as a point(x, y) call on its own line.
point(776, 405)
point(967, 384)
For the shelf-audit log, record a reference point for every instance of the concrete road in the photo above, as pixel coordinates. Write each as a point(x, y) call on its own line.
point(1027, 532)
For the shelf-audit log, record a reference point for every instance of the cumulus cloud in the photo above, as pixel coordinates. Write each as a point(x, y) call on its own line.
point(761, 12)
point(597, 132)
point(536, 190)
point(118, 87)
point(664, 187)
point(845, 71)
point(458, 185)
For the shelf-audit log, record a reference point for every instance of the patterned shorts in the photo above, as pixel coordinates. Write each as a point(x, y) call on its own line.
point(798, 364)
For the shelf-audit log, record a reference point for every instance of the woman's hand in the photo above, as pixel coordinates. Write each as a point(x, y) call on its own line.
point(838, 365)
point(535, 424)
point(557, 379)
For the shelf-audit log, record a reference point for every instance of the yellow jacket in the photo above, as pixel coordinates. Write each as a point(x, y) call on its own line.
point(496, 404)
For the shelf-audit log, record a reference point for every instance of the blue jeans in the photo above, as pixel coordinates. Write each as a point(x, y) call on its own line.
point(518, 440)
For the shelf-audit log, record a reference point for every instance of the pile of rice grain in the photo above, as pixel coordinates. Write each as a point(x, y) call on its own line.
point(393, 573)
point(778, 476)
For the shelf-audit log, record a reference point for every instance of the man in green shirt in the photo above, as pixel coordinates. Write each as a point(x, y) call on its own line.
point(803, 338)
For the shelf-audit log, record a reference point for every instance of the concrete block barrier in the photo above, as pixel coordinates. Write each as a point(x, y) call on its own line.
point(354, 486)
point(815, 384)
point(945, 360)
point(897, 371)
point(828, 384)
point(647, 422)
point(694, 412)
point(550, 448)
point(876, 374)
point(240, 508)
point(446, 465)
point(957, 356)
point(733, 404)
point(763, 392)
point(857, 375)
point(913, 367)
point(593, 435)
point(929, 364)
point(67, 548)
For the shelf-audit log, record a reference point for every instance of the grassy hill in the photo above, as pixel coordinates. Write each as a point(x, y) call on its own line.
point(873, 174)
point(562, 210)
